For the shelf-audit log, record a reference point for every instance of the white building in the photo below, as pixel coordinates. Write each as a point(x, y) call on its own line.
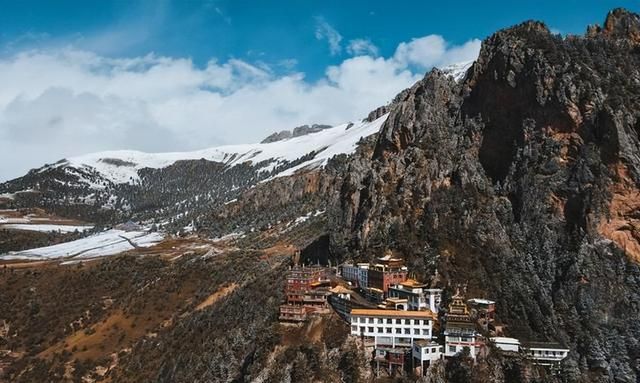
point(418, 296)
point(456, 339)
point(460, 330)
point(356, 274)
point(427, 351)
point(545, 353)
point(506, 344)
point(363, 275)
point(424, 353)
point(392, 328)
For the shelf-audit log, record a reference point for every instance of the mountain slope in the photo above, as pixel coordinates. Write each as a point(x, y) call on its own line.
point(174, 190)
point(123, 166)
point(523, 182)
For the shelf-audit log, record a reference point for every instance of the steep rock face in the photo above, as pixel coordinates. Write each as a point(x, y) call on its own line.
point(522, 181)
point(620, 23)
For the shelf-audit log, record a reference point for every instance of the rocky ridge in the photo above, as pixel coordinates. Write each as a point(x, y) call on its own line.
point(521, 180)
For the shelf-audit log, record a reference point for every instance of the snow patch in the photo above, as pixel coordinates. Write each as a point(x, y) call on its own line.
point(109, 242)
point(229, 236)
point(458, 70)
point(10, 196)
point(45, 228)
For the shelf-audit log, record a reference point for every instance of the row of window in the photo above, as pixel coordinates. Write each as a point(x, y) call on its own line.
point(459, 339)
point(455, 349)
point(391, 321)
point(547, 353)
point(432, 350)
point(389, 330)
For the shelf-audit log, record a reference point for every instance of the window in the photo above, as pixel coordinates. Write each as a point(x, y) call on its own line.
point(370, 320)
point(370, 329)
point(380, 330)
point(433, 350)
point(398, 321)
point(389, 320)
point(452, 349)
point(398, 331)
point(380, 320)
point(354, 328)
point(407, 321)
point(388, 330)
point(361, 329)
point(416, 331)
point(425, 332)
point(407, 331)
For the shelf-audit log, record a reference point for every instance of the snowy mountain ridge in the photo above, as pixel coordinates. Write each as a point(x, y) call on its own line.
point(122, 166)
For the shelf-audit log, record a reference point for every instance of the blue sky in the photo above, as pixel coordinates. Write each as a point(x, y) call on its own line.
point(269, 31)
point(86, 76)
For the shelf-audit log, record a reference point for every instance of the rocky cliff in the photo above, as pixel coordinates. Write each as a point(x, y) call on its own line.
point(522, 181)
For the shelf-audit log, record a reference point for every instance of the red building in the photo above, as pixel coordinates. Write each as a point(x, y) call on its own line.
point(390, 358)
point(302, 277)
point(306, 290)
point(386, 272)
point(292, 313)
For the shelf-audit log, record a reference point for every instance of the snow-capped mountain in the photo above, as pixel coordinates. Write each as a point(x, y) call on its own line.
point(175, 189)
point(313, 150)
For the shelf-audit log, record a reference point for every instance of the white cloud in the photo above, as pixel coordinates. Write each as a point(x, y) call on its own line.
point(556, 31)
point(433, 50)
point(61, 103)
point(358, 47)
point(324, 31)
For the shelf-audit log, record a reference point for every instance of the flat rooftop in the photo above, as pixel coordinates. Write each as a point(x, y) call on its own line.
point(412, 283)
point(426, 343)
point(544, 345)
point(426, 314)
point(481, 301)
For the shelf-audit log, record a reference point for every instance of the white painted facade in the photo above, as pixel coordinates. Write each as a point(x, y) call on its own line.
point(545, 353)
point(392, 328)
point(506, 344)
point(456, 340)
point(424, 351)
point(356, 274)
point(418, 298)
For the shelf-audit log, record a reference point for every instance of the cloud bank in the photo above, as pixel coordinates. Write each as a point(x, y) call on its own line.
point(56, 104)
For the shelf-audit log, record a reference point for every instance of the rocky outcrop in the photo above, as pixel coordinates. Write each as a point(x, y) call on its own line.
point(521, 181)
point(302, 130)
point(277, 136)
point(620, 24)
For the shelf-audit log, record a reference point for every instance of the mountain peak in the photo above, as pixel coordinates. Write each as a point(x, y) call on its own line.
point(619, 24)
point(298, 131)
